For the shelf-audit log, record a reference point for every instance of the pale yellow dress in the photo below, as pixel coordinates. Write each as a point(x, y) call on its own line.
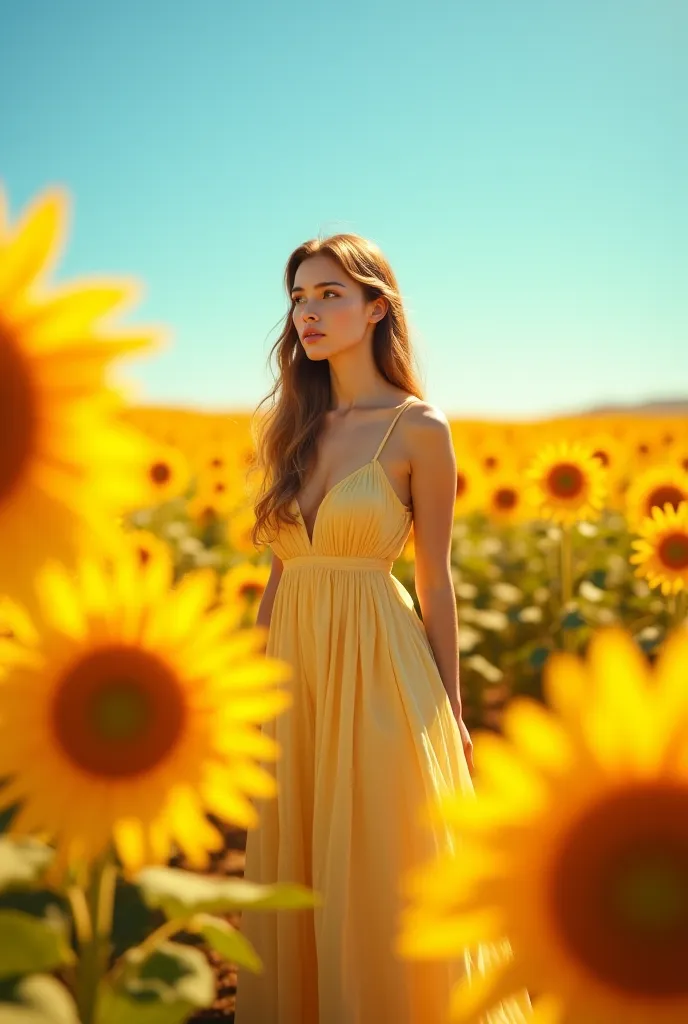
point(369, 739)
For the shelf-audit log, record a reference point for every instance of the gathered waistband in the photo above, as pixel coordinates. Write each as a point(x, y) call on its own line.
point(337, 562)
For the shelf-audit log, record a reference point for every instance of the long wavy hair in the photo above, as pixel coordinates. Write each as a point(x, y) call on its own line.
point(285, 440)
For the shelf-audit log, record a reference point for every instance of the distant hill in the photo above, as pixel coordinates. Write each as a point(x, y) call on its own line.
point(665, 407)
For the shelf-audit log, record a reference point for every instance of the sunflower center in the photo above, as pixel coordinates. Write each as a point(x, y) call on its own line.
point(118, 712)
point(505, 497)
point(565, 480)
point(121, 710)
point(620, 891)
point(666, 493)
point(651, 892)
point(160, 473)
point(602, 456)
point(673, 551)
point(461, 484)
point(17, 437)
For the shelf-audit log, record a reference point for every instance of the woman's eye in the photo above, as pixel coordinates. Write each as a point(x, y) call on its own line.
point(328, 291)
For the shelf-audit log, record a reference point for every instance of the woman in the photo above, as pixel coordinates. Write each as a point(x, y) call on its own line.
point(353, 456)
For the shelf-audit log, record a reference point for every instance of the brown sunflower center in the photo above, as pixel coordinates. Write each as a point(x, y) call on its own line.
point(118, 712)
point(601, 455)
point(18, 434)
point(663, 494)
point(160, 473)
point(461, 484)
point(144, 554)
point(251, 591)
point(565, 480)
point(505, 498)
point(620, 891)
point(673, 551)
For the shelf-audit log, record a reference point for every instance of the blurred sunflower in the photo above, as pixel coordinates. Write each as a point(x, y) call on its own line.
point(576, 849)
point(662, 553)
point(147, 547)
point(245, 583)
point(470, 486)
point(614, 457)
point(568, 483)
point(136, 715)
point(505, 498)
point(653, 488)
point(207, 507)
point(243, 587)
point(67, 464)
point(167, 474)
point(239, 526)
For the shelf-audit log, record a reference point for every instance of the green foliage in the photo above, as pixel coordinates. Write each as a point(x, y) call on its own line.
point(30, 944)
point(36, 999)
point(227, 941)
point(23, 862)
point(164, 987)
point(181, 894)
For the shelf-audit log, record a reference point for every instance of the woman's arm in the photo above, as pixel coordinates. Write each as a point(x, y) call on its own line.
point(268, 599)
point(433, 490)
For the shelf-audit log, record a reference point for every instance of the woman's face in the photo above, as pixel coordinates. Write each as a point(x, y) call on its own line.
point(327, 300)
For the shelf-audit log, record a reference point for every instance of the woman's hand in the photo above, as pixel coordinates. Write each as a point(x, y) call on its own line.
point(466, 740)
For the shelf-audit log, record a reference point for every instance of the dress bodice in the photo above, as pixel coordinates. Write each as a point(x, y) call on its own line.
point(362, 516)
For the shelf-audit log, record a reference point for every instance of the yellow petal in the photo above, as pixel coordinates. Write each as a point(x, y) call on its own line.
point(259, 707)
point(230, 805)
point(473, 998)
point(35, 244)
point(565, 684)
point(538, 735)
point(430, 937)
point(499, 766)
point(128, 837)
point(60, 602)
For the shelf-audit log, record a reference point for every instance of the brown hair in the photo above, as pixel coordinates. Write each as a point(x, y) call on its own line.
point(285, 444)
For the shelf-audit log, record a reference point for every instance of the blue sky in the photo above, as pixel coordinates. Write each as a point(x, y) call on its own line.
point(522, 163)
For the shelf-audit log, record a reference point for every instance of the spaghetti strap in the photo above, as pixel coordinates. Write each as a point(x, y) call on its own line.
point(391, 426)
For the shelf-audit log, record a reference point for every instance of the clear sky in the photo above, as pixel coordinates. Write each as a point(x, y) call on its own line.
point(522, 163)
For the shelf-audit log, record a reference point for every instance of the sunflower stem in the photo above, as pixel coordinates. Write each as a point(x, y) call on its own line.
point(679, 608)
point(568, 640)
point(94, 951)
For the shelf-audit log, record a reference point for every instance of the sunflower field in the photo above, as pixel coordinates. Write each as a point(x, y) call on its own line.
point(133, 685)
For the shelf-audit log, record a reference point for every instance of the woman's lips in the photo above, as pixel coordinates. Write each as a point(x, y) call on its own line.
point(312, 337)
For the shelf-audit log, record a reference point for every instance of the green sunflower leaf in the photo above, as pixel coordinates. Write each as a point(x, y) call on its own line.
point(181, 894)
point(227, 941)
point(31, 944)
point(166, 988)
point(36, 999)
point(22, 862)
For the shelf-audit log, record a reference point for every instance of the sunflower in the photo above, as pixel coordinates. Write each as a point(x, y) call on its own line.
point(654, 488)
point(568, 482)
point(167, 474)
point(136, 714)
point(662, 553)
point(505, 497)
point(576, 850)
point(245, 583)
point(208, 507)
point(470, 486)
point(147, 546)
point(67, 464)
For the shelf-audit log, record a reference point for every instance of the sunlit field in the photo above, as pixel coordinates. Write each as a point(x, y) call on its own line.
point(538, 564)
point(134, 682)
